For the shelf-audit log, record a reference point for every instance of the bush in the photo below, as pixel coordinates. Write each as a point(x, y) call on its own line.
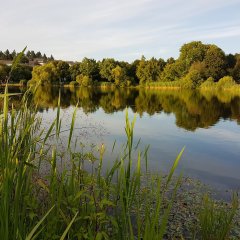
point(209, 83)
point(226, 82)
point(216, 221)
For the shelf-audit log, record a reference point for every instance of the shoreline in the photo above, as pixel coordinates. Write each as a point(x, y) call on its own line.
point(237, 90)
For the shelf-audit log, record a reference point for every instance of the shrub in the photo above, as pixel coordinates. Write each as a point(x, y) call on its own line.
point(209, 83)
point(226, 82)
point(216, 221)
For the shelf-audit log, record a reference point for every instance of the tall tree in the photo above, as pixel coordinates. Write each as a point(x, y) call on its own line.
point(89, 67)
point(192, 52)
point(106, 67)
point(215, 62)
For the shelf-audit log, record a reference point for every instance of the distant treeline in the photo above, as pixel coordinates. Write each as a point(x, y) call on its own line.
point(28, 56)
point(198, 64)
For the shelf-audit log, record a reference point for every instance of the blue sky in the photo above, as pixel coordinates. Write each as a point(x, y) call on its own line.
point(123, 29)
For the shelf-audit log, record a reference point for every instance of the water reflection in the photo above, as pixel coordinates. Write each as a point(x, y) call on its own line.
point(192, 109)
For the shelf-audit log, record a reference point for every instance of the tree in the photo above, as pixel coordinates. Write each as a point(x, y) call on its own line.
point(46, 74)
point(63, 72)
point(14, 54)
point(235, 72)
point(45, 58)
point(192, 52)
point(74, 71)
point(2, 56)
point(21, 72)
point(173, 71)
point(39, 55)
point(106, 67)
point(215, 62)
point(24, 59)
point(89, 67)
point(119, 75)
point(4, 72)
point(170, 60)
point(149, 70)
point(7, 54)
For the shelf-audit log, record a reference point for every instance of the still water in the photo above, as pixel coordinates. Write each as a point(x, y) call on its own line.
point(206, 123)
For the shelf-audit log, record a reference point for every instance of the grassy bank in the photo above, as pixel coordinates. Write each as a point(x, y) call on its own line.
point(69, 202)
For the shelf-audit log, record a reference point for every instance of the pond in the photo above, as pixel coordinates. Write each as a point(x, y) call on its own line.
point(207, 123)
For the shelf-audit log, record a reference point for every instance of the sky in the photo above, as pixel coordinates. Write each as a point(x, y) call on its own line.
point(122, 29)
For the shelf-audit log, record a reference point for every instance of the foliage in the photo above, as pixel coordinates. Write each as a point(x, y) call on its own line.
point(46, 74)
point(89, 68)
point(192, 52)
point(101, 205)
point(71, 202)
point(196, 63)
point(215, 62)
point(106, 66)
point(226, 82)
point(29, 56)
point(21, 72)
point(216, 221)
point(149, 70)
point(74, 71)
point(4, 72)
point(172, 72)
point(119, 75)
point(209, 83)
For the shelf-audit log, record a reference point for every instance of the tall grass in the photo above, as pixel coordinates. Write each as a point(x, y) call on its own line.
point(83, 205)
point(216, 221)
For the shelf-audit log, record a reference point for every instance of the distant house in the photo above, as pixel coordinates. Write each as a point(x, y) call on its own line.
point(39, 61)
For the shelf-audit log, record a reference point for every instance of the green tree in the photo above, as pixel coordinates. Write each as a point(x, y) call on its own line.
point(89, 68)
point(106, 67)
point(2, 56)
point(21, 72)
point(4, 72)
point(149, 70)
point(7, 55)
point(173, 71)
point(62, 69)
point(74, 71)
point(215, 62)
point(24, 59)
point(119, 75)
point(235, 72)
point(46, 74)
point(192, 52)
point(39, 55)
